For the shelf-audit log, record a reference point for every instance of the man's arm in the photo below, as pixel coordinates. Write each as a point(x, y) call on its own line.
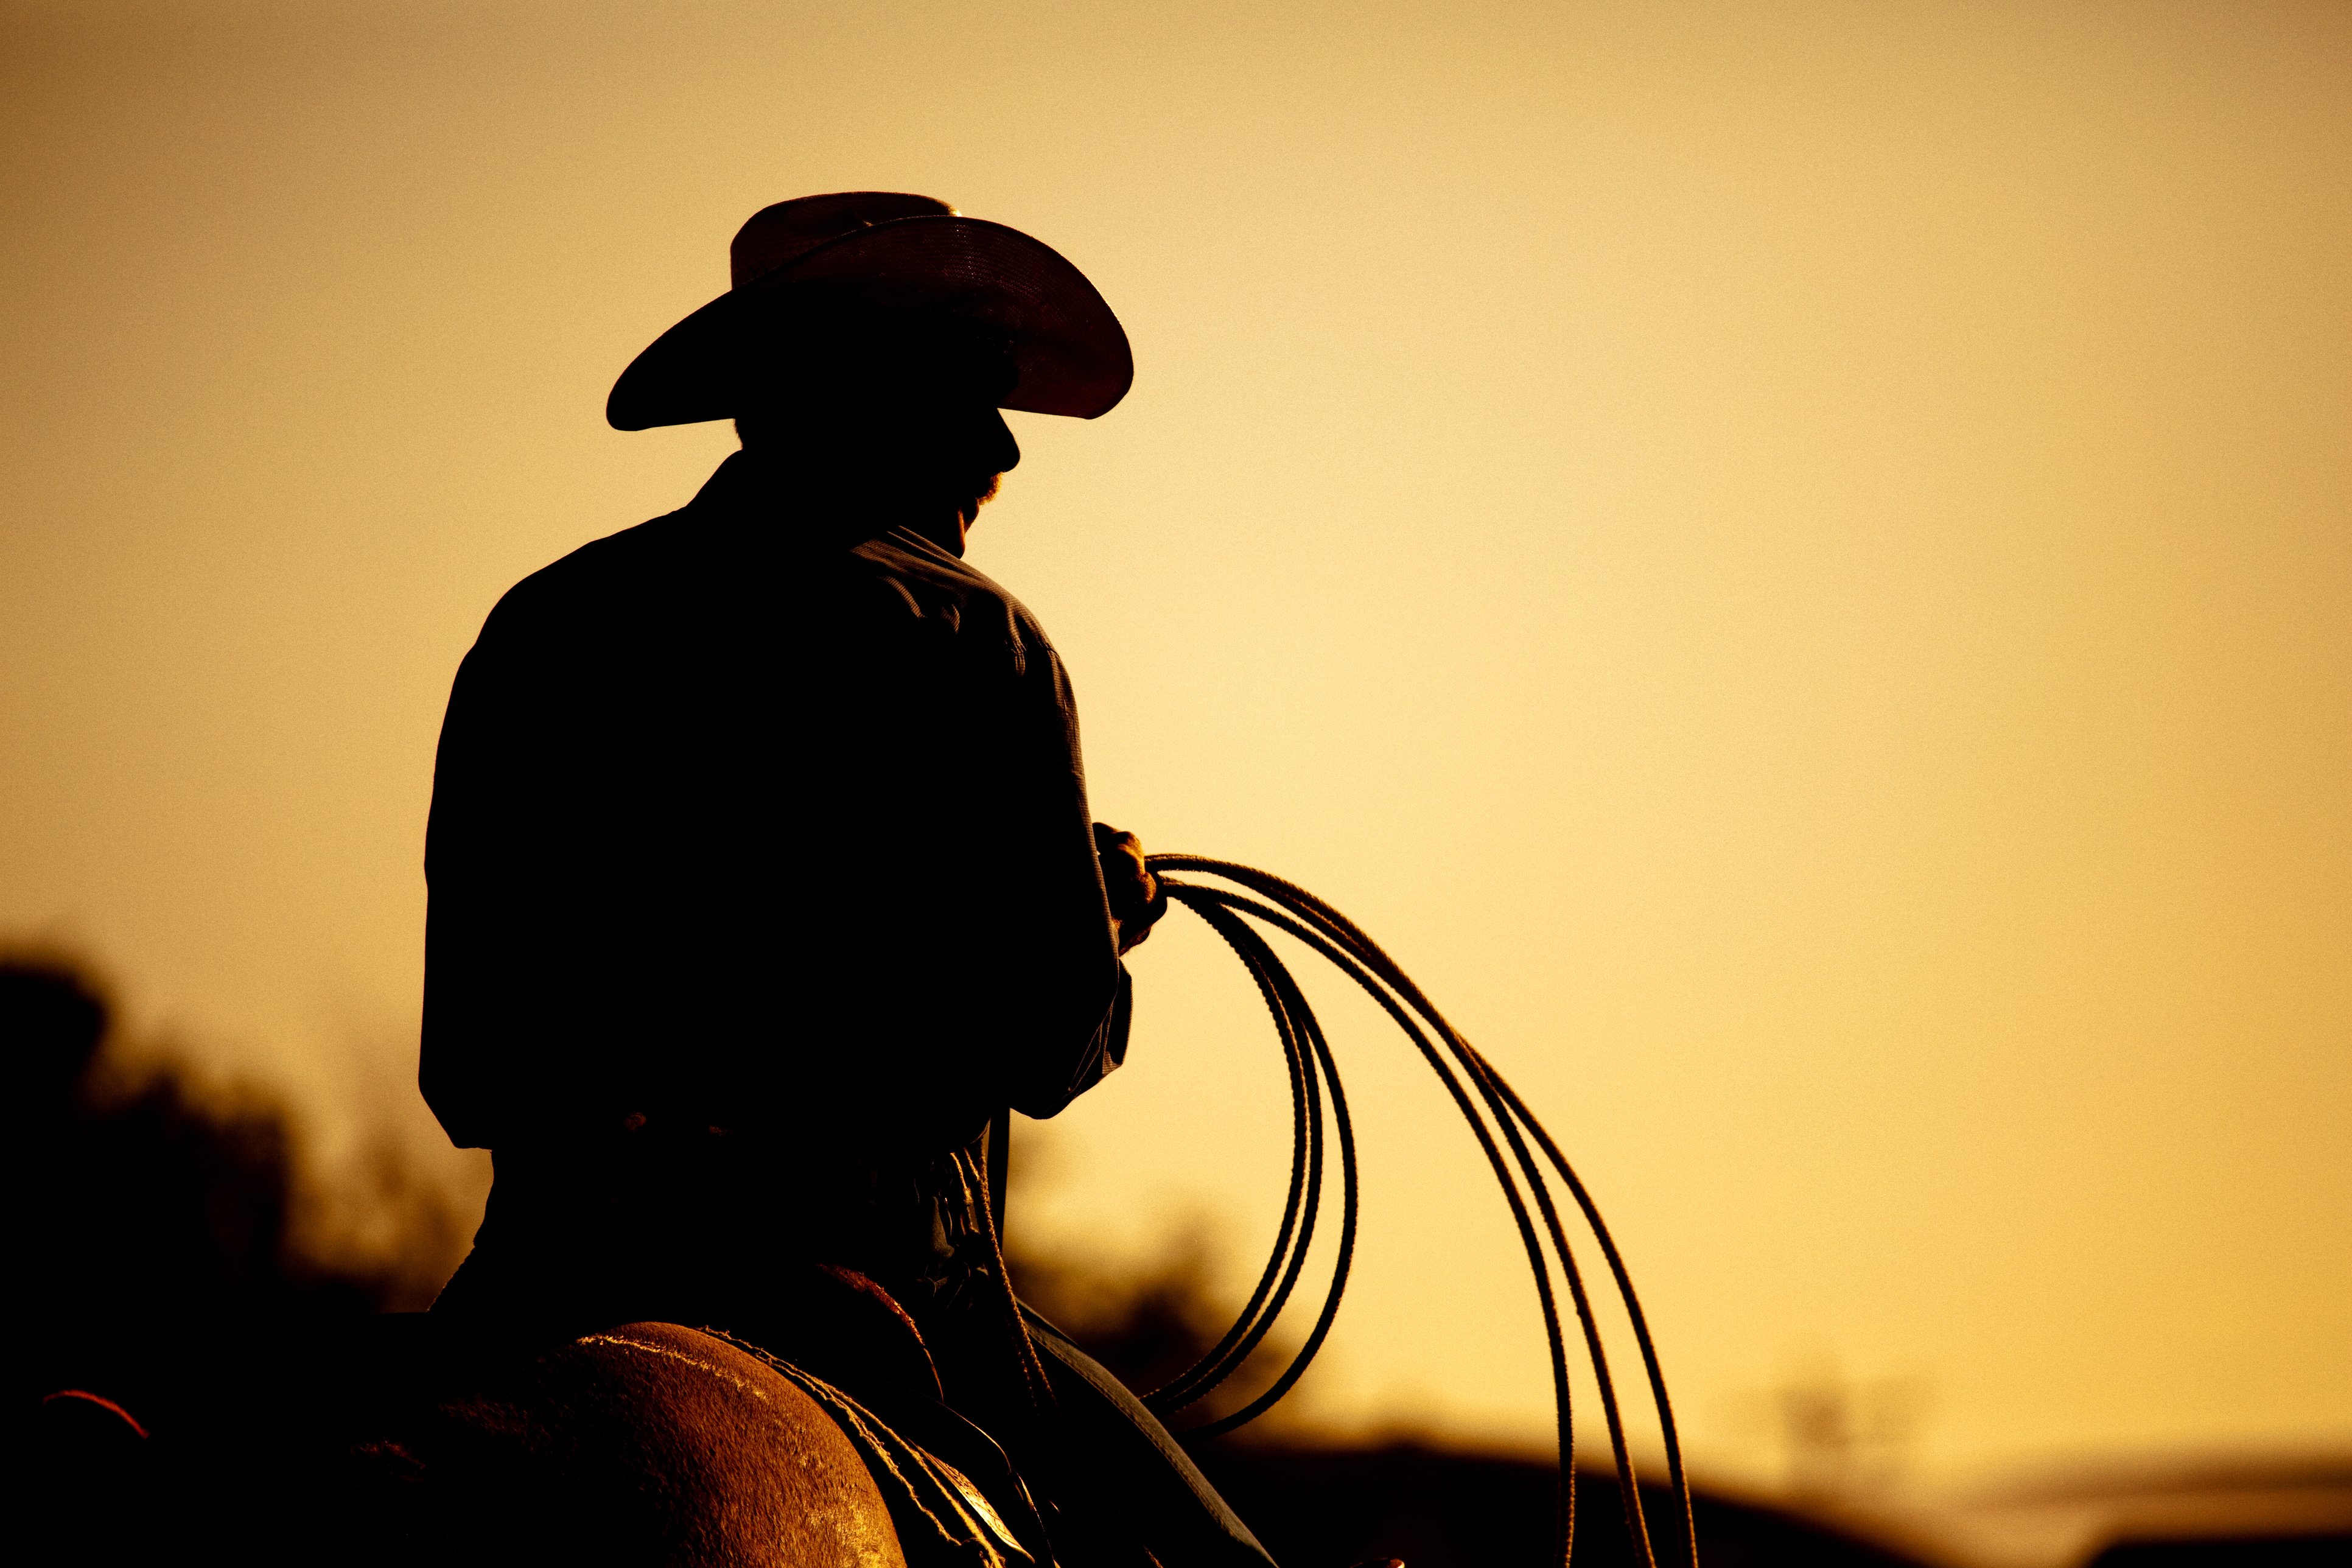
point(506, 1009)
point(1050, 940)
point(468, 836)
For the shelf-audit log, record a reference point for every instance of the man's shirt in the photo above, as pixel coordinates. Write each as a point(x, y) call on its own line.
point(744, 816)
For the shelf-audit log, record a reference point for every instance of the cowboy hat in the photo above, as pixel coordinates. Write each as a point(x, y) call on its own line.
point(809, 271)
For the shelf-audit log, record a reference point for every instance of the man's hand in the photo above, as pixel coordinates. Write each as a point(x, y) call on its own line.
point(1136, 901)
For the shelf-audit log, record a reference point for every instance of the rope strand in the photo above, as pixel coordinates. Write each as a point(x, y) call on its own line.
point(1314, 1080)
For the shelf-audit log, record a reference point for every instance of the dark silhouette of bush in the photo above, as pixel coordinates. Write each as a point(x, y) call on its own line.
point(158, 1215)
point(161, 1239)
point(1315, 1504)
point(1145, 1324)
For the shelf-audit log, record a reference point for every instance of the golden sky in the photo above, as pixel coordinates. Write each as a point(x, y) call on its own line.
point(1791, 561)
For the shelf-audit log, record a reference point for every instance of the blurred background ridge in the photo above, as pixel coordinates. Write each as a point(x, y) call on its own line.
point(161, 1208)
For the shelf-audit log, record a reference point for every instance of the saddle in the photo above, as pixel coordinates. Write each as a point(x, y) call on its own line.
point(419, 1439)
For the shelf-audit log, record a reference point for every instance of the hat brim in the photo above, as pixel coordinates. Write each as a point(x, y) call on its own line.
point(1066, 351)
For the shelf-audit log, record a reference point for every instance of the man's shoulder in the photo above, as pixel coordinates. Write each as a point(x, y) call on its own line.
point(916, 579)
point(699, 562)
point(599, 579)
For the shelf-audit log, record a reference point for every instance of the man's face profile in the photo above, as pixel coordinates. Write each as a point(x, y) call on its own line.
point(909, 424)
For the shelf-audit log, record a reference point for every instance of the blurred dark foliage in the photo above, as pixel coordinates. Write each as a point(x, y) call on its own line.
point(1315, 1504)
point(1145, 1324)
point(1320, 1507)
point(2332, 1550)
point(161, 1219)
point(168, 1227)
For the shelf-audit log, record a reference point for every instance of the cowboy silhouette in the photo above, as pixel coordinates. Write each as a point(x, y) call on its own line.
point(763, 882)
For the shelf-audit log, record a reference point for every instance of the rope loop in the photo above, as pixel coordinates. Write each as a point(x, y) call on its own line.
point(1486, 1103)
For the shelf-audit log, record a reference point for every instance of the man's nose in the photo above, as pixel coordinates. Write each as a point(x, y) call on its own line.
point(1006, 452)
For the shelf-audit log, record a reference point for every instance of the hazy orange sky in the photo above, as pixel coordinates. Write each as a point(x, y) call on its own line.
point(1791, 561)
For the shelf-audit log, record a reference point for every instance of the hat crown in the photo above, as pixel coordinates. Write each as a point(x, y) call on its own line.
point(777, 236)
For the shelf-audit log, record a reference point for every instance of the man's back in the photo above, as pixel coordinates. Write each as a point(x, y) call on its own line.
point(745, 816)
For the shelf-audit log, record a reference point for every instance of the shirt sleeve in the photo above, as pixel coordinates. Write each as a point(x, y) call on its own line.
point(517, 968)
point(469, 835)
point(1069, 999)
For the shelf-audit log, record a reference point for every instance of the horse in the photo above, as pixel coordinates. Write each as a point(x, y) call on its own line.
point(643, 1444)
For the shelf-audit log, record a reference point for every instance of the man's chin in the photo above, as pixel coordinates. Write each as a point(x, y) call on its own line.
point(972, 500)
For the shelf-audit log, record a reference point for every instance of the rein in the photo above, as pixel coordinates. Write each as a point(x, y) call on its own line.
point(1314, 1084)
